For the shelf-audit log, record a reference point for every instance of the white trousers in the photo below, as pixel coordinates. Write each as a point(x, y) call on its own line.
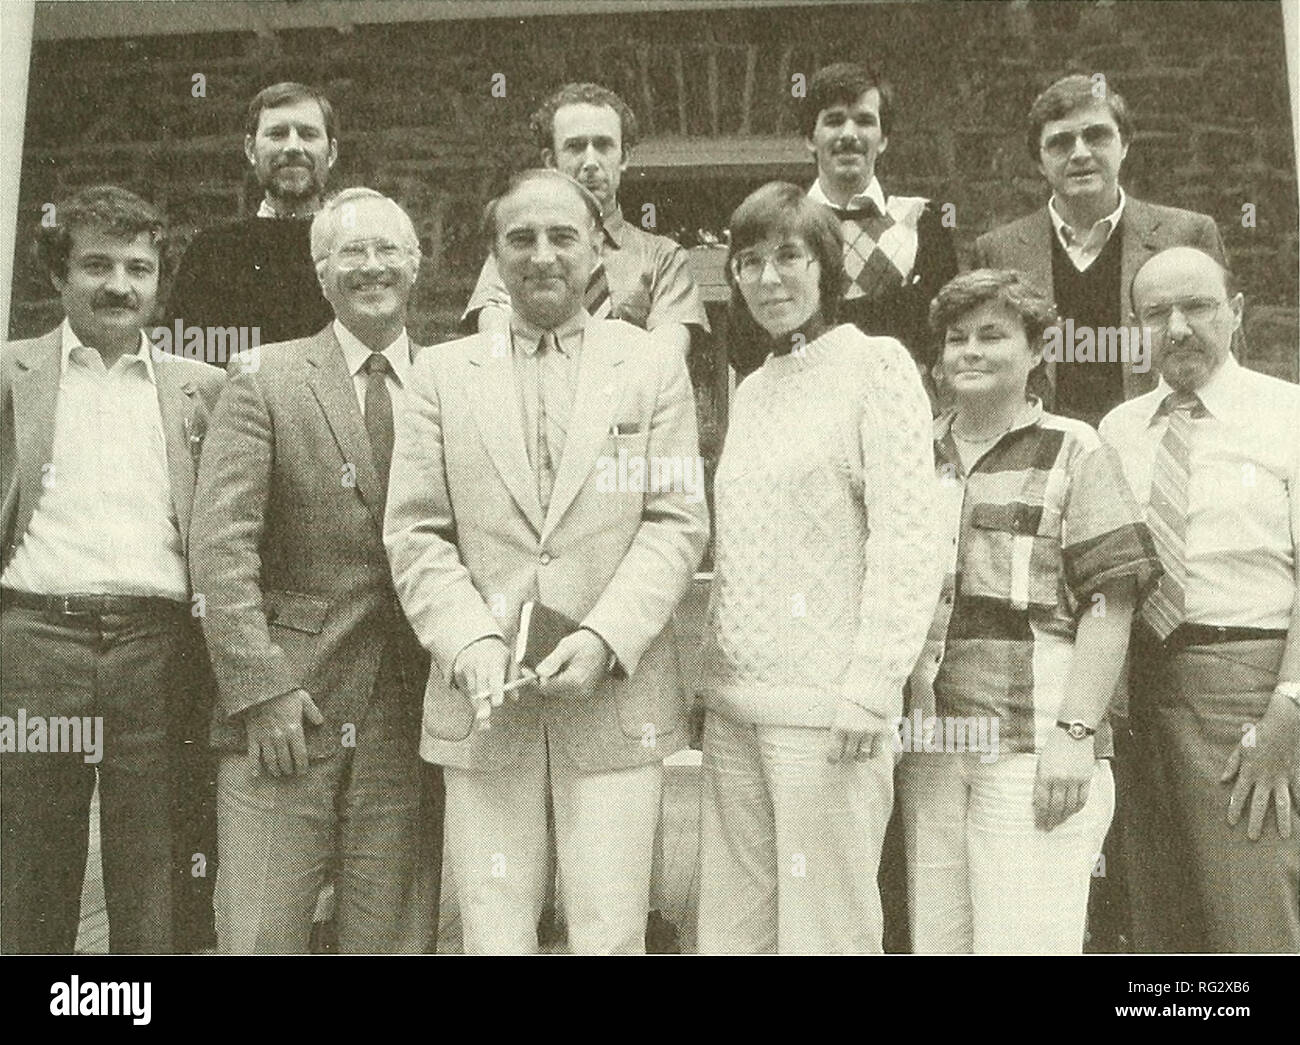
point(789, 843)
point(983, 878)
point(604, 832)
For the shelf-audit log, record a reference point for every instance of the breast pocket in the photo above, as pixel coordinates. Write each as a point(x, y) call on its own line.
point(1013, 552)
point(296, 611)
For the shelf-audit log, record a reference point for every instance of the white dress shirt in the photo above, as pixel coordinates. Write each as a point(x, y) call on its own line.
point(356, 354)
point(1243, 525)
point(105, 523)
point(1084, 249)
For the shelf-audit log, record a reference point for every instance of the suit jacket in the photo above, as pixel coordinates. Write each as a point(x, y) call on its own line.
point(1026, 245)
point(469, 542)
point(29, 385)
point(29, 388)
point(287, 550)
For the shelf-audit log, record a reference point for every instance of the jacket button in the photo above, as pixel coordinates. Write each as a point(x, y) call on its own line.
point(545, 560)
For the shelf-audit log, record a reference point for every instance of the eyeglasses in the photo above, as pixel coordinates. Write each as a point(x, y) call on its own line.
point(1192, 309)
point(1095, 136)
point(354, 255)
point(788, 262)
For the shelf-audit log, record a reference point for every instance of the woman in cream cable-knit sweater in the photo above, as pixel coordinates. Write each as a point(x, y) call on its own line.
point(826, 579)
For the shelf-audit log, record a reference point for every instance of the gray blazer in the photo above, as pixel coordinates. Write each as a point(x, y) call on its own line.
point(29, 390)
point(1026, 246)
point(286, 549)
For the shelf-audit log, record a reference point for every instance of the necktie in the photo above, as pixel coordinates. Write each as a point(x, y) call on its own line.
point(868, 269)
point(379, 417)
point(1165, 608)
point(596, 299)
point(542, 462)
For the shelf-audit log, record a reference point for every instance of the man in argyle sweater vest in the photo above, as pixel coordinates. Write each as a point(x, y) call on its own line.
point(897, 251)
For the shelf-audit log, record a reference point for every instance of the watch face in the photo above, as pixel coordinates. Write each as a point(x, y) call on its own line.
point(1078, 730)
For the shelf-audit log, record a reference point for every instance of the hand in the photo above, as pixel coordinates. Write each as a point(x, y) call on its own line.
point(1065, 768)
point(1266, 764)
point(479, 672)
point(577, 665)
point(275, 732)
point(857, 734)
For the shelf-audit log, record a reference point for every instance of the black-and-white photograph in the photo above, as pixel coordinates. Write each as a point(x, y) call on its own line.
point(506, 477)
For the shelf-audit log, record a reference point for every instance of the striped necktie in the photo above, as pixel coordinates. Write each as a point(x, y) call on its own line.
point(596, 299)
point(1166, 608)
point(542, 463)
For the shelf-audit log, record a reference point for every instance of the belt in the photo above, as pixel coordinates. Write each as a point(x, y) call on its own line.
point(64, 607)
point(1210, 635)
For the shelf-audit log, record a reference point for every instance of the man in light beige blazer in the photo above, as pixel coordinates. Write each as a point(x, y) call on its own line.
point(514, 479)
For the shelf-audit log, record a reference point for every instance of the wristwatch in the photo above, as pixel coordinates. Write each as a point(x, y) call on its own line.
point(1077, 729)
point(1290, 690)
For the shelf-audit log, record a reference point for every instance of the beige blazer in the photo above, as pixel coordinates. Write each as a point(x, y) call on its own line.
point(469, 543)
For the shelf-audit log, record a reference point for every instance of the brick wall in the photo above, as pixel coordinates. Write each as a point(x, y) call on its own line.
point(1206, 80)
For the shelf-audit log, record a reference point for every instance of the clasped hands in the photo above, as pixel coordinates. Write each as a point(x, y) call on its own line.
point(485, 672)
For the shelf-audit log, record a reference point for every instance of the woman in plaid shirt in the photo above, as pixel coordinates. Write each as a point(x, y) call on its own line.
point(1005, 782)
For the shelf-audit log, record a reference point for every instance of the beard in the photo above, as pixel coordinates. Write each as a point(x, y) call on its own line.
point(294, 183)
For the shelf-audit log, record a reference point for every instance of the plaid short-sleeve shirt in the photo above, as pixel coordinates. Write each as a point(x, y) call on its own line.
point(1043, 519)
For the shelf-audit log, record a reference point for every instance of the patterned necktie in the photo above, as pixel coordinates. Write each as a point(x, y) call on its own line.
point(596, 299)
point(867, 265)
point(542, 462)
point(379, 417)
point(1166, 608)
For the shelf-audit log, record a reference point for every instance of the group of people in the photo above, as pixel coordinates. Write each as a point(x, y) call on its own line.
point(963, 651)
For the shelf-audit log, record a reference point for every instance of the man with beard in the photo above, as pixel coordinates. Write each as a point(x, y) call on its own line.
point(1212, 455)
point(258, 272)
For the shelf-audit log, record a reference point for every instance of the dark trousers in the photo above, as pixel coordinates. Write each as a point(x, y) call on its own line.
point(1197, 883)
point(134, 673)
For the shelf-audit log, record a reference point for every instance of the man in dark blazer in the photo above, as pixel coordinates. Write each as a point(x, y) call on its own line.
point(99, 440)
point(320, 677)
point(1085, 245)
point(897, 250)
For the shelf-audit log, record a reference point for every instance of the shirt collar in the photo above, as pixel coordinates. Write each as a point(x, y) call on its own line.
point(1222, 395)
point(265, 210)
point(526, 336)
point(1031, 413)
point(69, 342)
point(1068, 234)
point(872, 192)
point(355, 353)
point(615, 228)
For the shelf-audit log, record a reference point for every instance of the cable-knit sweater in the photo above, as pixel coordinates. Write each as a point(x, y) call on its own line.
point(826, 566)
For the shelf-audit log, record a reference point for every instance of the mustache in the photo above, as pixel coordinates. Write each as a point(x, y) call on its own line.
point(116, 301)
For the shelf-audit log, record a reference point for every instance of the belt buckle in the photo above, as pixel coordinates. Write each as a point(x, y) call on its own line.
point(63, 608)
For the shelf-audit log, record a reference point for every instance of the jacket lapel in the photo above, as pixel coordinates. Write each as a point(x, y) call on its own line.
point(35, 396)
point(182, 435)
point(1036, 250)
point(495, 399)
point(1138, 224)
point(594, 403)
point(332, 386)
